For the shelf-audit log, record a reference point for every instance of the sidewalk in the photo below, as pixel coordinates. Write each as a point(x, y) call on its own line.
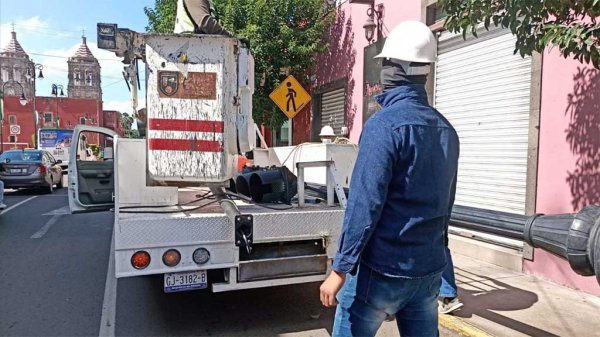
point(500, 302)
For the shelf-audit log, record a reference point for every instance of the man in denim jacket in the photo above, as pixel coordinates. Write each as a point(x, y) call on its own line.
point(392, 252)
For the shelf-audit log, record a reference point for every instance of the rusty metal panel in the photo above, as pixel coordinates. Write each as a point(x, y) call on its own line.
point(191, 104)
point(173, 84)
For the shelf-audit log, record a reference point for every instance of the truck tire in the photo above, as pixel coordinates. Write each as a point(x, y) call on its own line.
point(60, 182)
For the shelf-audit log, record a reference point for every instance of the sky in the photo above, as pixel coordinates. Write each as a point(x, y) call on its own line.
point(50, 32)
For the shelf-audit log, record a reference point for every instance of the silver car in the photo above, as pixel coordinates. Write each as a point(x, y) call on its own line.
point(30, 169)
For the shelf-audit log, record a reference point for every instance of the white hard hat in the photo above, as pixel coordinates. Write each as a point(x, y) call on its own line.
point(410, 41)
point(327, 131)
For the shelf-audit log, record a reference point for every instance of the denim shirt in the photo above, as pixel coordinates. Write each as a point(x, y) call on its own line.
point(402, 189)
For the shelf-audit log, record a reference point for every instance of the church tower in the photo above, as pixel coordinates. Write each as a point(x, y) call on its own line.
point(84, 74)
point(15, 65)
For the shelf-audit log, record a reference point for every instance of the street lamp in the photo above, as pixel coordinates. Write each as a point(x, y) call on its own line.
point(55, 88)
point(22, 100)
point(373, 22)
point(31, 75)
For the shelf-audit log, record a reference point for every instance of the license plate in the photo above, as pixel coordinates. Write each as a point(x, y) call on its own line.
point(185, 281)
point(17, 170)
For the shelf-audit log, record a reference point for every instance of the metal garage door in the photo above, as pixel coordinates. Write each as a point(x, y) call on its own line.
point(484, 91)
point(333, 109)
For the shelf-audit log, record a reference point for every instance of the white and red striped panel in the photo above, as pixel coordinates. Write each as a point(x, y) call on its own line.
point(186, 149)
point(192, 139)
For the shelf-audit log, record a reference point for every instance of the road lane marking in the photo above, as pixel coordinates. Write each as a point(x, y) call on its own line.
point(109, 304)
point(17, 205)
point(62, 210)
point(46, 227)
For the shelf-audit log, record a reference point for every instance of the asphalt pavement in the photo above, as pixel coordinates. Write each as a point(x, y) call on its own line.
point(53, 278)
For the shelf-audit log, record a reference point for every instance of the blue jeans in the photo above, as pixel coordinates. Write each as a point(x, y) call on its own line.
point(448, 288)
point(369, 297)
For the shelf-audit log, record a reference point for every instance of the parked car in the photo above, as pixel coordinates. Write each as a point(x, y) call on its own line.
point(30, 169)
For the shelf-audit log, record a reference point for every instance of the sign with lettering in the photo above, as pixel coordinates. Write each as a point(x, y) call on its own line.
point(173, 84)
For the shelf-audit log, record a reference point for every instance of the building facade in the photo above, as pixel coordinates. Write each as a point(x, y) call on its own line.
point(81, 104)
point(528, 126)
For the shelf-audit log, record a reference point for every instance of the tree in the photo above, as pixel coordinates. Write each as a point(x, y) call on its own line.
point(569, 25)
point(161, 18)
point(126, 124)
point(285, 37)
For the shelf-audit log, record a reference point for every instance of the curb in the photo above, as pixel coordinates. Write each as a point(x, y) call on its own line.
point(461, 327)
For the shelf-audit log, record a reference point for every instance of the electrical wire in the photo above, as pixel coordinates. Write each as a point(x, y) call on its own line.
point(296, 148)
point(172, 211)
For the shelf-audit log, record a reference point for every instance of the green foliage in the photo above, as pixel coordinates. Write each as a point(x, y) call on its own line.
point(569, 25)
point(161, 18)
point(126, 124)
point(283, 34)
point(95, 149)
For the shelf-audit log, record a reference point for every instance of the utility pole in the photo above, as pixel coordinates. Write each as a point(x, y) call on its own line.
point(31, 74)
point(55, 88)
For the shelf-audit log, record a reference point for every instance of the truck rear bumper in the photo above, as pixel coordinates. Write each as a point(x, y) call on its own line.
point(289, 247)
point(221, 287)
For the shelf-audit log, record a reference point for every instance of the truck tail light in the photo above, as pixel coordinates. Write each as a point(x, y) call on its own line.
point(201, 256)
point(171, 258)
point(140, 260)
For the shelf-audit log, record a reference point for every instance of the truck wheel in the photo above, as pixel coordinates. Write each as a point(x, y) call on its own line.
point(60, 182)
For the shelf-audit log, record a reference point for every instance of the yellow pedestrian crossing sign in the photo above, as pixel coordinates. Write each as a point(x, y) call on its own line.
point(290, 97)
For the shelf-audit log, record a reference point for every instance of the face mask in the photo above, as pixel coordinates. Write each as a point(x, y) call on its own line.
point(326, 141)
point(393, 73)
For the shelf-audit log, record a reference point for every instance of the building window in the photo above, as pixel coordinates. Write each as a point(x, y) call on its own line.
point(69, 124)
point(12, 138)
point(93, 121)
point(47, 117)
point(12, 119)
point(435, 14)
point(4, 74)
point(77, 76)
point(17, 73)
point(89, 79)
point(82, 120)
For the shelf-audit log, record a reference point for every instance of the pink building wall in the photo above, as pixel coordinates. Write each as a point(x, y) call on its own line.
point(569, 148)
point(345, 58)
point(569, 155)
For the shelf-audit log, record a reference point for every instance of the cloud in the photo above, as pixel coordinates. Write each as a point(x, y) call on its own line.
point(55, 61)
point(121, 106)
point(26, 28)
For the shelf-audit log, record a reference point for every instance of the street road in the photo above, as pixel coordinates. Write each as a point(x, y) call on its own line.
point(53, 274)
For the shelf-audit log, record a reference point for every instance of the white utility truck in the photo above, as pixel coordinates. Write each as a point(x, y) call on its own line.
point(175, 209)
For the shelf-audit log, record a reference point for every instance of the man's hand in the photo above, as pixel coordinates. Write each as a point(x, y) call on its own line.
point(330, 287)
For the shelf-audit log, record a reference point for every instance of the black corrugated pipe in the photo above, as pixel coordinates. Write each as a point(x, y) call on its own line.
point(574, 237)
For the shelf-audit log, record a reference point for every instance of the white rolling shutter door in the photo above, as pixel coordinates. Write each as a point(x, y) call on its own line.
point(333, 109)
point(484, 91)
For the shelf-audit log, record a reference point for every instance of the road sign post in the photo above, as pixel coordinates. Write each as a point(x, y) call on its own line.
point(291, 98)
